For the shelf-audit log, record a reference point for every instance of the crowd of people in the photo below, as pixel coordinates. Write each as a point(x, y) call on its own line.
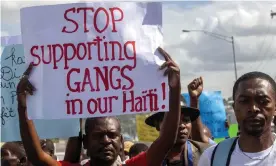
point(183, 139)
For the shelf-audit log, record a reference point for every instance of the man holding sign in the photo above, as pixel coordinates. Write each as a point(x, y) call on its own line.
point(103, 137)
point(185, 151)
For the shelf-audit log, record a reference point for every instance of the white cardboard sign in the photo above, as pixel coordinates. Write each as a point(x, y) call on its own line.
point(94, 59)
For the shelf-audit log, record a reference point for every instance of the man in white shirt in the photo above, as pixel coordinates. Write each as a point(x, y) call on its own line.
point(254, 97)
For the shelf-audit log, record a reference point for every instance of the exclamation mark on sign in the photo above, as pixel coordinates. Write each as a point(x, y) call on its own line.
point(164, 93)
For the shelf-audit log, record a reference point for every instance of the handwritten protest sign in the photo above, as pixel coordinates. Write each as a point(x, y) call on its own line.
point(94, 59)
point(212, 112)
point(12, 67)
point(145, 133)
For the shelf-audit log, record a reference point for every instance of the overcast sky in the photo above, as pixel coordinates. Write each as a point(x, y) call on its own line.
point(197, 53)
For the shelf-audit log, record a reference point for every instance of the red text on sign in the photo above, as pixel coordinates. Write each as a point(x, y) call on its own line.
point(87, 12)
point(105, 51)
point(93, 105)
point(147, 101)
point(107, 77)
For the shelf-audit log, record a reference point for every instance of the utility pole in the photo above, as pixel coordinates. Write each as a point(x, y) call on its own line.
point(221, 37)
point(272, 14)
point(234, 57)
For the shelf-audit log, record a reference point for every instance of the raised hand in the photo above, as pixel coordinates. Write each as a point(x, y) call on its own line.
point(195, 87)
point(168, 133)
point(172, 70)
point(24, 87)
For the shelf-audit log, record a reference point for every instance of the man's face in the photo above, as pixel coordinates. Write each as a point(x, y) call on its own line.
point(104, 140)
point(254, 106)
point(184, 129)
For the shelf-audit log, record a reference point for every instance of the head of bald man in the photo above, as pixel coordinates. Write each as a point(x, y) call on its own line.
point(103, 139)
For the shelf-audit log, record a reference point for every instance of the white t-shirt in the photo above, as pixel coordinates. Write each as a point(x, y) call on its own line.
point(238, 158)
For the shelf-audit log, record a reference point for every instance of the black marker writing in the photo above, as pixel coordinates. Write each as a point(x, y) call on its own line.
point(7, 85)
point(7, 73)
point(2, 100)
point(6, 113)
point(15, 60)
point(13, 96)
point(9, 78)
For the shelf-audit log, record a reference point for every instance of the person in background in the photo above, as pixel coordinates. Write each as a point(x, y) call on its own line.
point(127, 146)
point(48, 146)
point(207, 132)
point(195, 89)
point(185, 151)
point(103, 136)
point(12, 154)
point(226, 123)
point(73, 147)
point(254, 96)
point(137, 149)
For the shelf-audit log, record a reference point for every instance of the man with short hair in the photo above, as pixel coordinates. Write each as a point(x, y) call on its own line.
point(103, 137)
point(48, 147)
point(254, 96)
point(12, 154)
point(186, 151)
point(127, 146)
point(208, 133)
point(137, 149)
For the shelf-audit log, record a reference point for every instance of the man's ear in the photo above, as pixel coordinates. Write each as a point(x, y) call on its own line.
point(85, 141)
